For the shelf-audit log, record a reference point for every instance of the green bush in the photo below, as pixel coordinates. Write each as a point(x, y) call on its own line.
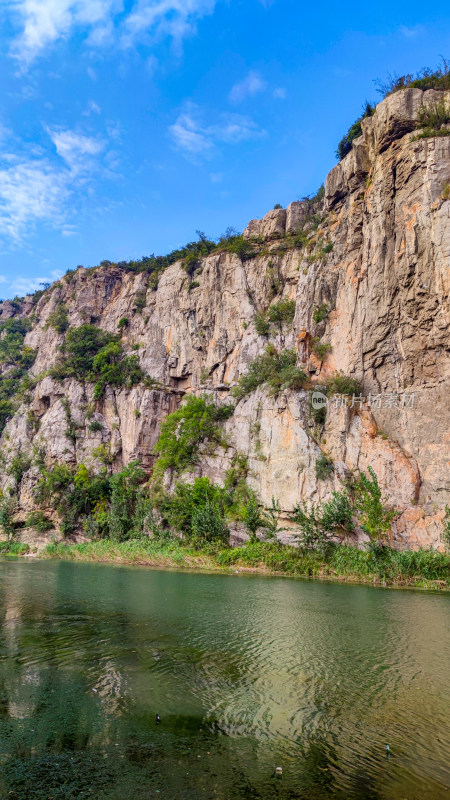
point(262, 324)
point(8, 506)
point(345, 145)
point(276, 369)
point(39, 521)
point(58, 319)
point(338, 383)
point(140, 301)
point(425, 79)
point(318, 526)
point(374, 518)
point(320, 349)
point(197, 510)
point(123, 323)
point(282, 312)
point(324, 468)
point(18, 358)
point(19, 465)
point(91, 354)
point(95, 426)
point(196, 422)
point(320, 313)
point(434, 119)
point(105, 504)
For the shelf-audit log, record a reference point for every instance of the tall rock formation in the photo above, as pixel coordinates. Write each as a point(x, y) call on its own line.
point(373, 253)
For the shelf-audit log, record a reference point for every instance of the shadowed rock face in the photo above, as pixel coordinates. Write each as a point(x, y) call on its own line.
point(379, 257)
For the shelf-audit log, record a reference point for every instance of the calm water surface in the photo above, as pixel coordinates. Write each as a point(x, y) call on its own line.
point(248, 673)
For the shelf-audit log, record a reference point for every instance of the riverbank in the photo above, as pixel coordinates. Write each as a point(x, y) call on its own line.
point(422, 569)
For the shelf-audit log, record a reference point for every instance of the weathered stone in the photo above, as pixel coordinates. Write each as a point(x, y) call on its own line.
point(386, 282)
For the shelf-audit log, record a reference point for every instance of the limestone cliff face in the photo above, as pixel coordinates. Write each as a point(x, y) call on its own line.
point(379, 259)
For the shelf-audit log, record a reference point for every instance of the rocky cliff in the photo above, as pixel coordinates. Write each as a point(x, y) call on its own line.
point(368, 266)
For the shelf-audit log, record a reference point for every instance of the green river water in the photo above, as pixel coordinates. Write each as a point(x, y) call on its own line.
point(248, 673)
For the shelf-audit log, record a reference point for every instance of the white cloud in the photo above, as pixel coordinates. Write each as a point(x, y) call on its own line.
point(31, 191)
point(280, 93)
point(196, 139)
point(22, 286)
point(252, 84)
point(411, 32)
point(92, 108)
point(189, 136)
point(3, 279)
point(77, 150)
point(44, 22)
point(35, 185)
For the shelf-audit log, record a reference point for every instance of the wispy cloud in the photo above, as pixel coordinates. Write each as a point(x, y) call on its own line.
point(36, 183)
point(252, 84)
point(41, 23)
point(194, 138)
point(31, 191)
point(280, 93)
point(76, 149)
point(411, 32)
point(22, 286)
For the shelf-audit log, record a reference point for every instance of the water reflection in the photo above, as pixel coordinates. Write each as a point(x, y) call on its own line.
point(247, 673)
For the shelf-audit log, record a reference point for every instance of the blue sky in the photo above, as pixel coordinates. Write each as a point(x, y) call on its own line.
point(125, 125)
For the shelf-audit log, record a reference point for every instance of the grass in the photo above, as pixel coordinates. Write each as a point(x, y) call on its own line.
point(13, 549)
point(424, 569)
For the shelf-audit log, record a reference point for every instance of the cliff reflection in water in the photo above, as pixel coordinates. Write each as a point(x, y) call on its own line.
point(247, 674)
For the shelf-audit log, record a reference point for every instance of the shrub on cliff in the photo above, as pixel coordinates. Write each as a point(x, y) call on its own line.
point(427, 78)
point(58, 319)
point(355, 130)
point(196, 422)
point(91, 354)
point(276, 369)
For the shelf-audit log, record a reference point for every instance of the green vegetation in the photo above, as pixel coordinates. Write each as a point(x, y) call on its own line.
point(262, 324)
point(197, 510)
point(282, 312)
point(18, 466)
point(320, 349)
point(323, 468)
point(106, 505)
point(91, 354)
point(345, 145)
point(196, 422)
point(421, 568)
point(58, 319)
point(434, 120)
point(318, 526)
point(320, 313)
point(278, 314)
point(338, 383)
point(140, 301)
point(13, 548)
point(95, 426)
point(39, 521)
point(123, 323)
point(277, 370)
point(16, 358)
point(255, 518)
point(374, 518)
point(427, 78)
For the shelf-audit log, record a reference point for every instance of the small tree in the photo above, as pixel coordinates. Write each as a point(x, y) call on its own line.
point(7, 508)
point(375, 519)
